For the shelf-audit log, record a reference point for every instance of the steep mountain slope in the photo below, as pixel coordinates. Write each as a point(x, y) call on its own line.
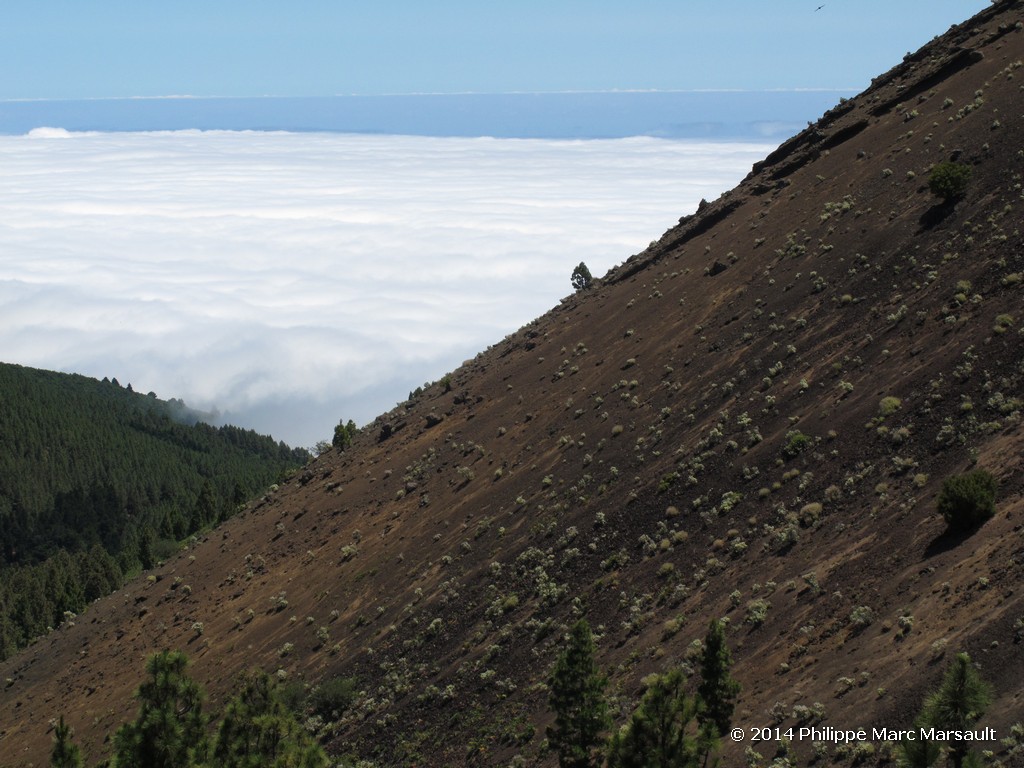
point(752, 419)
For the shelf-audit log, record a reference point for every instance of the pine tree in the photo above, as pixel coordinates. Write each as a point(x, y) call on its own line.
point(170, 728)
point(657, 733)
point(717, 690)
point(577, 699)
point(146, 558)
point(919, 752)
point(343, 434)
point(581, 277)
point(204, 511)
point(259, 731)
point(65, 753)
point(238, 499)
point(958, 704)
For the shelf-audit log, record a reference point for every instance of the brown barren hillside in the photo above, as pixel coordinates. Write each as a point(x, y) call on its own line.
point(750, 419)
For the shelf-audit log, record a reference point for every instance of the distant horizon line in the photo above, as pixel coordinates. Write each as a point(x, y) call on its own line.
point(56, 132)
point(611, 91)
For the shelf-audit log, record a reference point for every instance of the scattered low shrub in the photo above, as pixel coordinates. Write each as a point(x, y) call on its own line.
point(796, 443)
point(968, 500)
point(948, 180)
point(332, 697)
point(757, 611)
point(889, 405)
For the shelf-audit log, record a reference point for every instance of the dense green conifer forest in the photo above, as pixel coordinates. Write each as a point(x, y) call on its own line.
point(98, 481)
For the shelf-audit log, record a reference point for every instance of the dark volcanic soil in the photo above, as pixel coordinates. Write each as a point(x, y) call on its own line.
point(624, 457)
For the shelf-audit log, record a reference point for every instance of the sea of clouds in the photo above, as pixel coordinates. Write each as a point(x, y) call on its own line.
point(290, 280)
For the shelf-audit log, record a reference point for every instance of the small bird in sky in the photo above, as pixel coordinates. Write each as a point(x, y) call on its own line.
point(818, 8)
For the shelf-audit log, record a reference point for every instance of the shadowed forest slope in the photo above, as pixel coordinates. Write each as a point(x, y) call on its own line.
point(751, 419)
point(97, 481)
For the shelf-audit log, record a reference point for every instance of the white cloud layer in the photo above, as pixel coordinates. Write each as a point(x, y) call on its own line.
point(291, 279)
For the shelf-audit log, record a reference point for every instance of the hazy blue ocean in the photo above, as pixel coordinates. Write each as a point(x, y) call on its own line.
point(767, 116)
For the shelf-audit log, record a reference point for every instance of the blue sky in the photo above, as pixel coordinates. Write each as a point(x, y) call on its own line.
point(117, 48)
